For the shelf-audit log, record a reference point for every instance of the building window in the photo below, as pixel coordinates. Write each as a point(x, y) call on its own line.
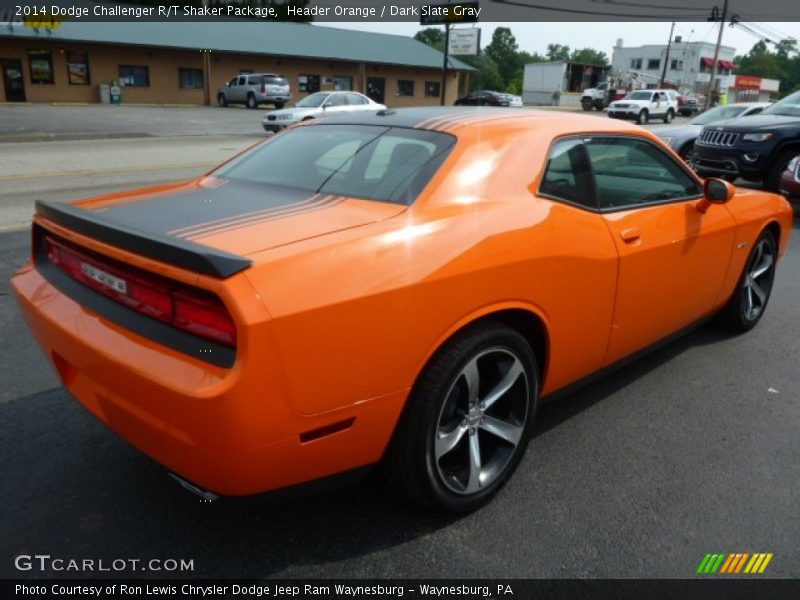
point(405, 87)
point(653, 64)
point(636, 63)
point(308, 83)
point(191, 79)
point(676, 65)
point(78, 68)
point(343, 83)
point(134, 76)
point(41, 63)
point(433, 89)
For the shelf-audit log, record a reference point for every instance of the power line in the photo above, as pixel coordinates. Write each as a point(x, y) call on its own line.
point(577, 11)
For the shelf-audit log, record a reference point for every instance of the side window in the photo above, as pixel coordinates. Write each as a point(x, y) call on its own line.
point(242, 81)
point(631, 173)
point(568, 175)
point(335, 100)
point(755, 111)
point(233, 81)
point(355, 99)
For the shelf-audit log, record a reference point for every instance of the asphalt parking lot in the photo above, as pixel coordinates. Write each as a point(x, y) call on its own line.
point(689, 450)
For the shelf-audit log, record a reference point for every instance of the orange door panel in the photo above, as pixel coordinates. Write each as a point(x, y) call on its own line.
point(672, 265)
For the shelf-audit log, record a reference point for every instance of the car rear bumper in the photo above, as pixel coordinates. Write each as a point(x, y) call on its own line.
point(231, 431)
point(790, 188)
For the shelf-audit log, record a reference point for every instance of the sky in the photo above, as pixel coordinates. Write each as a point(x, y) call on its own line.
point(534, 37)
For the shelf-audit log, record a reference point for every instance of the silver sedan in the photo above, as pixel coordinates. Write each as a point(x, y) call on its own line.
point(317, 105)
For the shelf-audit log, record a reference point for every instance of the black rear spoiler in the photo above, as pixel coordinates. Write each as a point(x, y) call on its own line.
point(171, 250)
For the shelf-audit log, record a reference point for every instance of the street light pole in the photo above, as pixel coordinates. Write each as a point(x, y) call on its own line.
point(716, 56)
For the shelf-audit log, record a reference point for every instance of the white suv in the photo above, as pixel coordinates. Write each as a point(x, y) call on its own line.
point(642, 105)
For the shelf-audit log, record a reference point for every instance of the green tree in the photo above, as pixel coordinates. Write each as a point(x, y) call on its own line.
point(589, 56)
point(782, 64)
point(487, 75)
point(504, 52)
point(557, 52)
point(432, 36)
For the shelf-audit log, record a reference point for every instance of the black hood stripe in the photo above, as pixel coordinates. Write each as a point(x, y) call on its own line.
point(191, 229)
point(324, 202)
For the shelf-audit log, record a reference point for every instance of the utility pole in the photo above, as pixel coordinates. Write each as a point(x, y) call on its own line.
point(446, 52)
point(712, 81)
point(666, 58)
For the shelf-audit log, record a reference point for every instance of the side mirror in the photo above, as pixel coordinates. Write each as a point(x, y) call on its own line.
point(715, 191)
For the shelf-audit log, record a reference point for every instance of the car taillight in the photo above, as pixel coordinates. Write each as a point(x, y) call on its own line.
point(195, 311)
point(263, 88)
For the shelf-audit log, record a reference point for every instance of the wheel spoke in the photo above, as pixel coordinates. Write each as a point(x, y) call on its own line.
point(750, 306)
point(762, 267)
point(445, 442)
point(472, 377)
point(758, 254)
point(503, 429)
point(760, 293)
point(504, 385)
point(474, 482)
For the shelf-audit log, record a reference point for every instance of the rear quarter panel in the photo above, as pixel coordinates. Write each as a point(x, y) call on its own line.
point(358, 313)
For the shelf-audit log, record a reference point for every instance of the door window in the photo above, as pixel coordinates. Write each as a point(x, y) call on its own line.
point(629, 172)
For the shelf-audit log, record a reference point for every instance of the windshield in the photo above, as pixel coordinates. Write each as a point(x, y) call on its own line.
point(312, 101)
point(355, 161)
point(720, 113)
point(639, 96)
point(789, 106)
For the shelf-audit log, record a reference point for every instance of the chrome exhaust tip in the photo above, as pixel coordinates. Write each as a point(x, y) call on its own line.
point(204, 494)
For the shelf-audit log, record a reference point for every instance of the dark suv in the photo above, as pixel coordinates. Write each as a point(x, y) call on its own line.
point(757, 148)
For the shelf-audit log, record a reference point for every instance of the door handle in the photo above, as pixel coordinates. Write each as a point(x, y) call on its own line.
point(630, 235)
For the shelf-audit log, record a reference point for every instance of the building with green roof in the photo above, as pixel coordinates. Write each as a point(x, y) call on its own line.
point(187, 62)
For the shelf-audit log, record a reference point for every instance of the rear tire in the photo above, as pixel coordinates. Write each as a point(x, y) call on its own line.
point(643, 117)
point(279, 105)
point(749, 300)
point(251, 101)
point(467, 420)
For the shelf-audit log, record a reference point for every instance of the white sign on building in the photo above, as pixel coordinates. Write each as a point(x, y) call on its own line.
point(465, 42)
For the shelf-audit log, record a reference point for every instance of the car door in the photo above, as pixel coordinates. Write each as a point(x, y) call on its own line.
point(238, 89)
point(658, 103)
point(673, 258)
point(356, 102)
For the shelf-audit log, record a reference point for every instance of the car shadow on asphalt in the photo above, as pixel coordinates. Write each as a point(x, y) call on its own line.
point(74, 489)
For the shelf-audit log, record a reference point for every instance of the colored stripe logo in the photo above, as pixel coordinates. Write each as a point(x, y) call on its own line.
point(734, 563)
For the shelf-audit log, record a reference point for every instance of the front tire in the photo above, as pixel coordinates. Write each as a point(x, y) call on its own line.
point(587, 104)
point(643, 117)
point(222, 101)
point(749, 301)
point(687, 153)
point(773, 177)
point(467, 421)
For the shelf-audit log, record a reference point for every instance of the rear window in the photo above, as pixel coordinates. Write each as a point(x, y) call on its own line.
point(378, 163)
point(274, 80)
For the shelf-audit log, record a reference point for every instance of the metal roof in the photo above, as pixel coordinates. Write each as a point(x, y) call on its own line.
point(250, 37)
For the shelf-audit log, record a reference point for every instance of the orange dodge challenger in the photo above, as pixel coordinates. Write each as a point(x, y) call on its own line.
point(397, 287)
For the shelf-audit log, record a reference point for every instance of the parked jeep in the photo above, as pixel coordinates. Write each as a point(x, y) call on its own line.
point(642, 105)
point(757, 148)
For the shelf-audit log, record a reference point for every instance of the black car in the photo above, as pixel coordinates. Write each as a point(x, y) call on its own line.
point(757, 148)
point(483, 98)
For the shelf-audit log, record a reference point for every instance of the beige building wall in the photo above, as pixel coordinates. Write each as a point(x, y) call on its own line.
point(164, 64)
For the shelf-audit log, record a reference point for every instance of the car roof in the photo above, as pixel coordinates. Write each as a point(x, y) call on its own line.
point(438, 118)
